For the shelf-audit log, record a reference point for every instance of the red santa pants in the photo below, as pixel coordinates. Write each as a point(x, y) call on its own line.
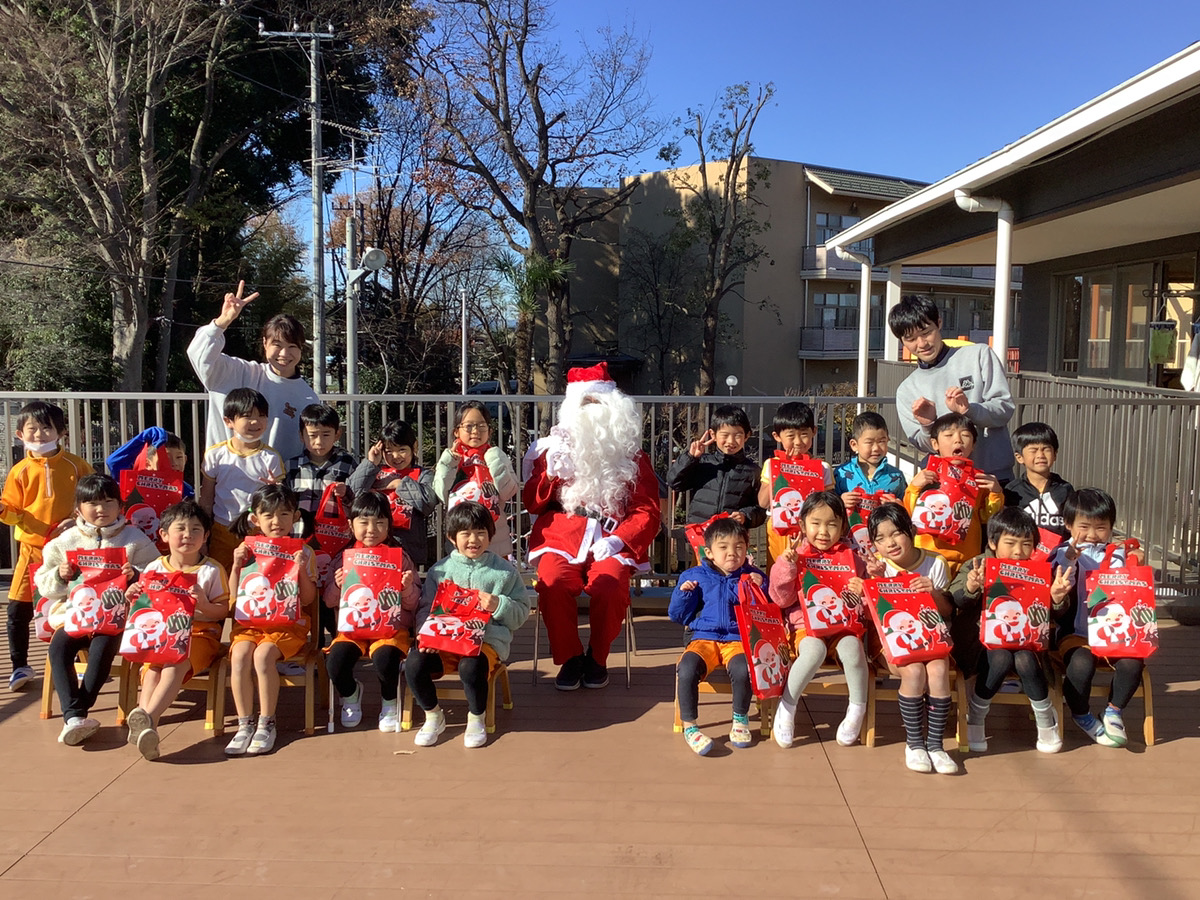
point(560, 581)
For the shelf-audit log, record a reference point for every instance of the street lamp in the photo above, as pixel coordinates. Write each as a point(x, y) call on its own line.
point(731, 382)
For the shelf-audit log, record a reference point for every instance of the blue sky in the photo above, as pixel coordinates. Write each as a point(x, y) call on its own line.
point(916, 89)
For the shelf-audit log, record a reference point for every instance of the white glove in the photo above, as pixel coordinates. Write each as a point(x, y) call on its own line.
point(559, 463)
point(606, 547)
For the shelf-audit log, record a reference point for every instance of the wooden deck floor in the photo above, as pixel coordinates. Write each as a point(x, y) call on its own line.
point(592, 794)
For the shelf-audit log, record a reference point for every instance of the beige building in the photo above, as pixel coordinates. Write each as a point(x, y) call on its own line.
point(795, 327)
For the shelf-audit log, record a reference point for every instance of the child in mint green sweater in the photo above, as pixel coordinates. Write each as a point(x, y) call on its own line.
point(470, 527)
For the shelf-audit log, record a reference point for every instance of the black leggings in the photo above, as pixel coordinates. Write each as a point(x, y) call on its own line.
point(19, 616)
point(78, 699)
point(996, 663)
point(421, 668)
point(692, 670)
point(1081, 669)
point(344, 654)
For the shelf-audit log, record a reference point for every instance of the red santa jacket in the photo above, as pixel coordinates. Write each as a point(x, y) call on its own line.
point(571, 536)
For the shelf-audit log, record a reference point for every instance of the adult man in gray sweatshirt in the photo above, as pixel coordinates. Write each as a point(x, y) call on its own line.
point(968, 380)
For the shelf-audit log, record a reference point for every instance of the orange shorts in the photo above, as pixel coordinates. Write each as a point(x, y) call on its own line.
point(206, 650)
point(402, 642)
point(290, 641)
point(29, 560)
point(716, 654)
point(450, 660)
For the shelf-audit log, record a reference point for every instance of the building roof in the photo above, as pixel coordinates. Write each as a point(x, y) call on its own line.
point(1074, 228)
point(844, 182)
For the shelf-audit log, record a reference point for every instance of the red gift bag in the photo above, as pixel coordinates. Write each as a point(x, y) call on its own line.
point(455, 623)
point(1122, 618)
point(908, 622)
point(694, 534)
point(370, 609)
point(96, 601)
point(829, 607)
point(42, 629)
point(792, 479)
point(145, 493)
point(268, 591)
point(1016, 604)
point(764, 638)
point(478, 485)
point(331, 532)
point(401, 511)
point(944, 510)
point(1047, 543)
point(867, 504)
point(159, 628)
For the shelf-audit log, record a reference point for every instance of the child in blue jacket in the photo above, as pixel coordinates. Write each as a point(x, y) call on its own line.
point(703, 601)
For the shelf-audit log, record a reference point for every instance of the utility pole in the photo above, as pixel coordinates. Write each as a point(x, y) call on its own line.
point(318, 184)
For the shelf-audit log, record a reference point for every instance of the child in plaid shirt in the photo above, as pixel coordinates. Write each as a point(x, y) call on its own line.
point(323, 462)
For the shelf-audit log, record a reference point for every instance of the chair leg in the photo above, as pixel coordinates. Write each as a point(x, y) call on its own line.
point(310, 698)
point(489, 711)
point(960, 701)
point(536, 615)
point(218, 678)
point(678, 727)
point(628, 645)
point(47, 708)
point(1148, 699)
point(766, 715)
point(406, 712)
point(505, 688)
point(869, 722)
point(123, 690)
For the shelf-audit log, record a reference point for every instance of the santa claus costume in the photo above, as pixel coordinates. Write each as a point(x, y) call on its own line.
point(596, 501)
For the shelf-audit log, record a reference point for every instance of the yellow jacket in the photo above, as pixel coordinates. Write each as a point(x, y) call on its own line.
point(40, 492)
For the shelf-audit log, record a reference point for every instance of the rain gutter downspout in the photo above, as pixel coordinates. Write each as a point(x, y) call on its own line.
point(1004, 229)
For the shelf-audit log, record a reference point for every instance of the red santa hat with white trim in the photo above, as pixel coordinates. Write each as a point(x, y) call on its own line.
point(591, 381)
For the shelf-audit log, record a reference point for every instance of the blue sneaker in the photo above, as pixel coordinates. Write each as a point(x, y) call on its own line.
point(20, 677)
point(1094, 729)
point(1114, 726)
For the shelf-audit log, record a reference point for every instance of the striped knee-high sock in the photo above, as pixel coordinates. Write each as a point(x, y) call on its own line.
point(912, 710)
point(939, 712)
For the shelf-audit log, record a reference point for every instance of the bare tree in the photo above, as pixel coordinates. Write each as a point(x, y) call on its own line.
point(719, 205)
point(536, 127)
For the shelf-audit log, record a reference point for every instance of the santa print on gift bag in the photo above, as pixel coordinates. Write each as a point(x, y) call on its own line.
point(159, 628)
point(371, 587)
point(455, 623)
point(96, 601)
point(867, 504)
point(1016, 604)
point(145, 493)
point(331, 532)
point(944, 510)
point(829, 607)
point(694, 534)
point(764, 638)
point(1047, 543)
point(477, 486)
point(792, 479)
point(42, 629)
point(909, 625)
point(1122, 619)
point(268, 591)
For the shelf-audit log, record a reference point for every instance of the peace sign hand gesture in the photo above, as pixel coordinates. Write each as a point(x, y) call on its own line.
point(233, 306)
point(696, 448)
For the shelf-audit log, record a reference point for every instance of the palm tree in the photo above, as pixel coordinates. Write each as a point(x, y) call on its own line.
point(529, 277)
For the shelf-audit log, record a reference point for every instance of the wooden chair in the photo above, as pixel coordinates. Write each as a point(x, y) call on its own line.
point(314, 679)
point(121, 671)
point(877, 692)
point(830, 680)
point(535, 617)
point(963, 688)
point(213, 681)
point(452, 690)
point(1145, 691)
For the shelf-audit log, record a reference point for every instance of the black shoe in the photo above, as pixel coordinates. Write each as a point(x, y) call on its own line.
point(570, 674)
point(595, 676)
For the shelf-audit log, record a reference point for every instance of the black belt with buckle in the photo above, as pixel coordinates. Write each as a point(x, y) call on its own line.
point(608, 523)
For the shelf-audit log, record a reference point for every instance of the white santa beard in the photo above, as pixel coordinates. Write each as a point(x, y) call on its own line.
point(604, 441)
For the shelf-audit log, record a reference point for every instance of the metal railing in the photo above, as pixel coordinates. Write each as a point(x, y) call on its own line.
point(1139, 444)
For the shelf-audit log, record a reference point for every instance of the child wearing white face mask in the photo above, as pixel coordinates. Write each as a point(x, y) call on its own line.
point(39, 493)
point(236, 468)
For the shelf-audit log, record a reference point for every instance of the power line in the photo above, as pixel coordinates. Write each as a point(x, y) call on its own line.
point(130, 278)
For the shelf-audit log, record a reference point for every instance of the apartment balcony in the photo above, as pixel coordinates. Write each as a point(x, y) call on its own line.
point(836, 343)
point(819, 262)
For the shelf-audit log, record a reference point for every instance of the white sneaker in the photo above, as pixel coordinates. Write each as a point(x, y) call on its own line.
point(977, 737)
point(784, 726)
point(352, 707)
point(245, 733)
point(264, 737)
point(917, 759)
point(943, 762)
point(1048, 739)
point(389, 720)
point(848, 731)
point(77, 730)
point(476, 734)
point(435, 724)
point(147, 744)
